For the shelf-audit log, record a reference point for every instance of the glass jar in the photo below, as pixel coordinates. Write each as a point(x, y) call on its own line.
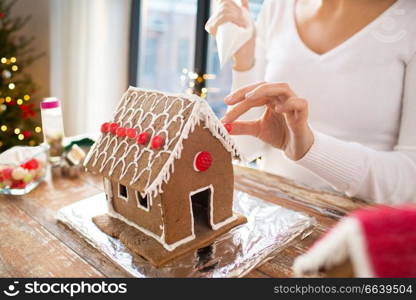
point(53, 128)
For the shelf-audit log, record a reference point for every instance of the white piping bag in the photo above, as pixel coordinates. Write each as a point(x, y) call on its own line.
point(231, 37)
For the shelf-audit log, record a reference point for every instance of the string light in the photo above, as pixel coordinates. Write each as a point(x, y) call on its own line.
point(26, 97)
point(13, 59)
point(32, 143)
point(8, 99)
point(21, 137)
point(19, 101)
point(1, 100)
point(11, 86)
point(17, 131)
point(3, 128)
point(3, 60)
point(38, 129)
point(15, 68)
point(1, 143)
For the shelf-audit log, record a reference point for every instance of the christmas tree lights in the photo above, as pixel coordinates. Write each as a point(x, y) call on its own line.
point(19, 124)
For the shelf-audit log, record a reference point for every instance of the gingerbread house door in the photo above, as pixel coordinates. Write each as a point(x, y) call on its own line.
point(201, 202)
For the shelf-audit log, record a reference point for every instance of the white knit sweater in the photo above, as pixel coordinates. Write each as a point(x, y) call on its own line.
point(362, 103)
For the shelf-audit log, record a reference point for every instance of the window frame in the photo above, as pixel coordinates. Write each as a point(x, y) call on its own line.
point(139, 205)
point(201, 43)
point(126, 198)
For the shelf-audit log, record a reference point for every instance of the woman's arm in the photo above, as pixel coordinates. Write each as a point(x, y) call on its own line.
point(380, 176)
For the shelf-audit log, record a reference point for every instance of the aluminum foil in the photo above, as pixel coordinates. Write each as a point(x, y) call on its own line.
point(269, 229)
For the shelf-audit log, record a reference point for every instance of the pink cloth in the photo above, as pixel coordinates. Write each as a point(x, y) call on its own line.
point(390, 236)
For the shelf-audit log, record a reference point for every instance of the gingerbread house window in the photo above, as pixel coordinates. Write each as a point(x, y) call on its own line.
point(122, 192)
point(142, 201)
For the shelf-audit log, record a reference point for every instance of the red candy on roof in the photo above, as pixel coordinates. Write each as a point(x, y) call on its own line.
point(121, 132)
point(228, 127)
point(131, 133)
point(142, 138)
point(113, 128)
point(157, 142)
point(105, 127)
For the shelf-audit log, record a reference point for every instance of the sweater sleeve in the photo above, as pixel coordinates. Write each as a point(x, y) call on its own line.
point(381, 176)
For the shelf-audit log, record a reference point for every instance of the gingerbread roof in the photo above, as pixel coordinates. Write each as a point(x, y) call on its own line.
point(172, 117)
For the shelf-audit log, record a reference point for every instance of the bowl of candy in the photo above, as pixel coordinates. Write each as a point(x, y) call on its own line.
point(22, 169)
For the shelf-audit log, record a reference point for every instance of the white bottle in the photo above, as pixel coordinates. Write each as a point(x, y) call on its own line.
point(53, 128)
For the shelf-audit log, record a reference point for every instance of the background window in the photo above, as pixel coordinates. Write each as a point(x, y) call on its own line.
point(171, 43)
point(167, 43)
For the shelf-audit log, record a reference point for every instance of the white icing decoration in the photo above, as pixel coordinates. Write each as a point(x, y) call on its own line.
point(160, 239)
point(121, 196)
point(214, 226)
point(345, 240)
point(137, 194)
point(126, 113)
point(196, 156)
point(107, 187)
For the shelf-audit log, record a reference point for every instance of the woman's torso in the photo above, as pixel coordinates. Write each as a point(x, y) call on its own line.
point(354, 90)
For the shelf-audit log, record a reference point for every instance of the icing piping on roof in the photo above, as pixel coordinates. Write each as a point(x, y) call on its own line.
point(201, 112)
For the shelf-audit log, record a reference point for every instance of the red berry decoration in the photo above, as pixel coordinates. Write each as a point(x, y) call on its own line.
point(32, 164)
point(202, 162)
point(113, 128)
point(228, 127)
point(7, 173)
point(105, 127)
point(131, 133)
point(157, 142)
point(142, 138)
point(121, 132)
point(18, 184)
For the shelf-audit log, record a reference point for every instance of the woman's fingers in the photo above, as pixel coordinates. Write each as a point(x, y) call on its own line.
point(240, 94)
point(227, 11)
point(245, 4)
point(245, 128)
point(270, 90)
point(242, 107)
point(295, 110)
point(259, 90)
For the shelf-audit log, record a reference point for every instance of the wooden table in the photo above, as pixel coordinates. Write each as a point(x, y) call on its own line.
point(34, 244)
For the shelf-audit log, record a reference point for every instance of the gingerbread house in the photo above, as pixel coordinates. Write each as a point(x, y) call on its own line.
point(371, 242)
point(167, 167)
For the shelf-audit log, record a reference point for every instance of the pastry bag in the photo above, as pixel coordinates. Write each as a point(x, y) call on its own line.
point(230, 38)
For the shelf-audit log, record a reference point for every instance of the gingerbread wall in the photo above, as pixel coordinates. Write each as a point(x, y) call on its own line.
point(150, 220)
point(175, 198)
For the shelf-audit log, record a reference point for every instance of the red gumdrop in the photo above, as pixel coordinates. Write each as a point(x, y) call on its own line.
point(105, 127)
point(113, 128)
point(228, 127)
point(7, 173)
point(131, 133)
point(32, 164)
point(203, 160)
point(121, 132)
point(143, 138)
point(157, 142)
point(18, 184)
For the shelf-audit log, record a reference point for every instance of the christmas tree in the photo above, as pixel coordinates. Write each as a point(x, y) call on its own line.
point(18, 113)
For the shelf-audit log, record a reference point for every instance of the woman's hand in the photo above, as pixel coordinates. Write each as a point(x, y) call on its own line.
point(229, 11)
point(284, 124)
